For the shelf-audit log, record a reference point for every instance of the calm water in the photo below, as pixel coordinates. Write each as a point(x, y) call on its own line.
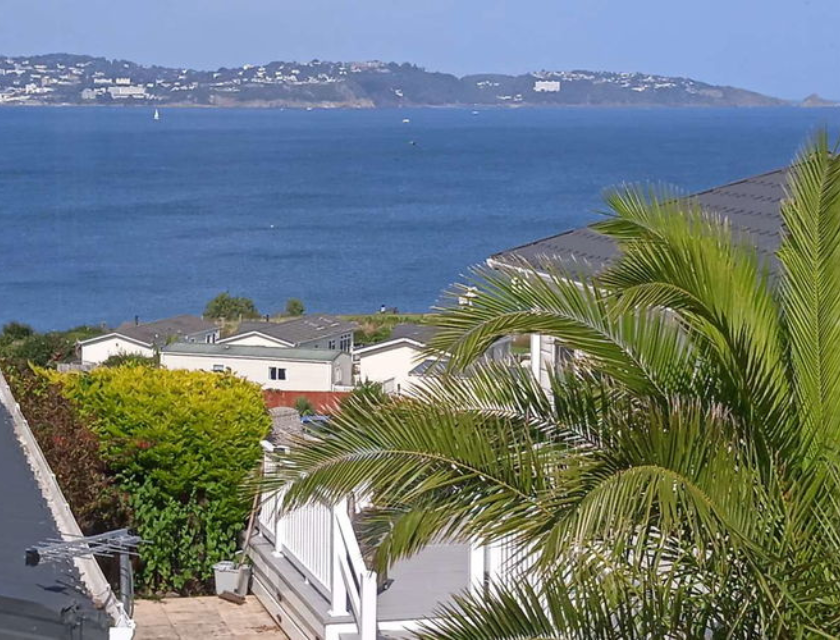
point(106, 214)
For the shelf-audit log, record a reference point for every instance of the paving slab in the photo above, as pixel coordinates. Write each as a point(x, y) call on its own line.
point(205, 617)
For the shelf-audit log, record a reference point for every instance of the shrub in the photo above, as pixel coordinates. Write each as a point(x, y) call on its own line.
point(41, 349)
point(181, 443)
point(304, 406)
point(15, 331)
point(188, 537)
point(20, 342)
point(71, 449)
point(294, 307)
point(130, 360)
point(230, 307)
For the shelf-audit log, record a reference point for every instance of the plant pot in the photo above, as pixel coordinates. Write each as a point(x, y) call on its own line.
point(230, 578)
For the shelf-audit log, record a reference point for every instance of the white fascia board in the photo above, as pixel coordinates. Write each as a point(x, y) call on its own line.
point(388, 344)
point(111, 336)
point(239, 336)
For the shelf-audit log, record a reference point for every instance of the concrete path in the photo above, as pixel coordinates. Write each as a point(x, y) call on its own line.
point(206, 617)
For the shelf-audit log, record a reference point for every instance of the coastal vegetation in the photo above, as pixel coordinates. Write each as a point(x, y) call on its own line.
point(678, 477)
point(165, 452)
point(376, 327)
point(21, 342)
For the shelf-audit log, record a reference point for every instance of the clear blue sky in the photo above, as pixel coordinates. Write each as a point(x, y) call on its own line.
point(787, 48)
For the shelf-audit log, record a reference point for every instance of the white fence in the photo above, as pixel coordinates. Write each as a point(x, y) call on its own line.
point(304, 536)
point(319, 540)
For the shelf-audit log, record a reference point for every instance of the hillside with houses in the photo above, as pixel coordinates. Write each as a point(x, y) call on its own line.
point(64, 79)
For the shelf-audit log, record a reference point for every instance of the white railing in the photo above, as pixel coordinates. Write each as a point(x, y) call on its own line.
point(304, 536)
point(320, 541)
point(270, 500)
point(352, 582)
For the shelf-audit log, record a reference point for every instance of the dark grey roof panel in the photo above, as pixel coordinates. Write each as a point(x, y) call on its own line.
point(421, 333)
point(49, 597)
point(160, 332)
point(300, 330)
point(752, 207)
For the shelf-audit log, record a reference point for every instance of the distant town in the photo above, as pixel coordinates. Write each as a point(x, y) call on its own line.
point(64, 79)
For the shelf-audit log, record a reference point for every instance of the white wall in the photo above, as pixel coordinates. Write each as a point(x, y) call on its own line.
point(99, 352)
point(300, 375)
point(390, 363)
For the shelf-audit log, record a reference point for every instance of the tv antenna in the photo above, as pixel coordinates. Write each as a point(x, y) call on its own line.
point(120, 542)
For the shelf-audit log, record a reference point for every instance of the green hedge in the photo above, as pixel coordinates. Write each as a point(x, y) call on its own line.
point(181, 444)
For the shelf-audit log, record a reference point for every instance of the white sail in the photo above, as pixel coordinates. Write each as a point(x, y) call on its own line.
point(157, 114)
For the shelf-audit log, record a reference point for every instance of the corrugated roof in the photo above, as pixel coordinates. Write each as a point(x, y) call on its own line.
point(752, 205)
point(242, 351)
point(50, 598)
point(159, 332)
point(300, 330)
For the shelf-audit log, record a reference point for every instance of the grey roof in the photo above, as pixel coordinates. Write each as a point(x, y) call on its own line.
point(242, 351)
point(42, 600)
point(421, 333)
point(160, 332)
point(299, 330)
point(752, 206)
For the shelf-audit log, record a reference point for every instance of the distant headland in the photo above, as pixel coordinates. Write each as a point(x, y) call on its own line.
point(66, 79)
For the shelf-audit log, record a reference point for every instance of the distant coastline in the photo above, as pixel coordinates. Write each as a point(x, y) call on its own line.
point(79, 80)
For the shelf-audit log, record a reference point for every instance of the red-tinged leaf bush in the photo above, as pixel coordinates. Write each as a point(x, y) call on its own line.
point(71, 449)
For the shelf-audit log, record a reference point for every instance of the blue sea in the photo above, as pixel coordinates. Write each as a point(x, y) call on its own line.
point(106, 214)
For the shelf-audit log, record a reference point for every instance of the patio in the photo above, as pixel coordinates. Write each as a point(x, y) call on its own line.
point(191, 618)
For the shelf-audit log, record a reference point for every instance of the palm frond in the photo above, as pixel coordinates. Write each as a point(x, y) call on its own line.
point(646, 351)
point(678, 257)
point(810, 258)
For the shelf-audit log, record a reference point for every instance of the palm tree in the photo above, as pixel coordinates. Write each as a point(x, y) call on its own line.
point(679, 476)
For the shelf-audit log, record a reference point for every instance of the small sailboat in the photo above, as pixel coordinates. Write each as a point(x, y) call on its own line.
point(156, 117)
point(406, 120)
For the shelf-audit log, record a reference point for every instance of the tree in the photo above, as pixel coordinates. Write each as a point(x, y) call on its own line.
point(679, 477)
point(294, 307)
point(230, 307)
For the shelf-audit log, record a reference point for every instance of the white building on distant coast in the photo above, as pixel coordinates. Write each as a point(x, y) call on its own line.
point(547, 86)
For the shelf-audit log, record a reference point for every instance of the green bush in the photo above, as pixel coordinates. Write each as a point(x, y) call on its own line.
point(187, 537)
point(181, 443)
point(130, 360)
point(230, 307)
point(20, 342)
point(15, 331)
point(304, 406)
